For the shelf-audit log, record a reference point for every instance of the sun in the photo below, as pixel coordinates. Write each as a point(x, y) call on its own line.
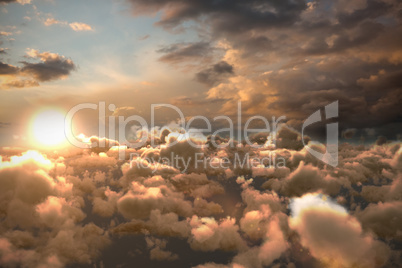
point(48, 128)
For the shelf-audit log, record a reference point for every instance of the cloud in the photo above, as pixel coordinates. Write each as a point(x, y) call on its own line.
point(20, 84)
point(106, 208)
point(74, 206)
point(4, 33)
point(55, 211)
point(158, 251)
point(52, 67)
point(334, 237)
point(271, 249)
point(76, 26)
point(382, 219)
point(184, 52)
point(253, 223)
point(349, 133)
point(51, 21)
point(141, 200)
point(184, 101)
point(7, 69)
point(215, 73)
point(125, 111)
point(145, 37)
point(22, 2)
point(31, 198)
point(79, 26)
point(226, 16)
point(197, 185)
point(305, 179)
point(167, 225)
point(317, 52)
point(313, 201)
point(208, 235)
point(11, 72)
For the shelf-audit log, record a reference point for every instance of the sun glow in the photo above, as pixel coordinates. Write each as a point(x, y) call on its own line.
point(47, 128)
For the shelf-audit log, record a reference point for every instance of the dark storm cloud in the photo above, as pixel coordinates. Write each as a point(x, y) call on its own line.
point(215, 73)
point(342, 40)
point(51, 67)
point(48, 70)
point(7, 69)
point(373, 9)
point(381, 140)
point(226, 15)
point(253, 45)
point(384, 80)
point(185, 51)
point(310, 52)
point(350, 81)
point(349, 133)
point(187, 101)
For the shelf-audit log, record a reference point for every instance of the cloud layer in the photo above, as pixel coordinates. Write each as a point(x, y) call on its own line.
point(74, 206)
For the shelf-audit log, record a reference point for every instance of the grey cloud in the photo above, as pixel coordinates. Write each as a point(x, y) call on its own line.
point(7, 69)
point(363, 34)
point(350, 81)
point(215, 73)
point(373, 9)
point(180, 52)
point(184, 101)
point(330, 50)
point(349, 133)
point(49, 69)
point(226, 15)
point(381, 140)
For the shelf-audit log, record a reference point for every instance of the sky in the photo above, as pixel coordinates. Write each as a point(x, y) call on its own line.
point(123, 133)
point(285, 58)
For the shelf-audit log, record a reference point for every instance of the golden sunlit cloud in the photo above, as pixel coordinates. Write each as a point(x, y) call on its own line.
point(48, 128)
point(79, 26)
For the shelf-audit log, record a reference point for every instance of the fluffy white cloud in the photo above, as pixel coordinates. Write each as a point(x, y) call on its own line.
point(333, 236)
point(207, 234)
point(141, 200)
